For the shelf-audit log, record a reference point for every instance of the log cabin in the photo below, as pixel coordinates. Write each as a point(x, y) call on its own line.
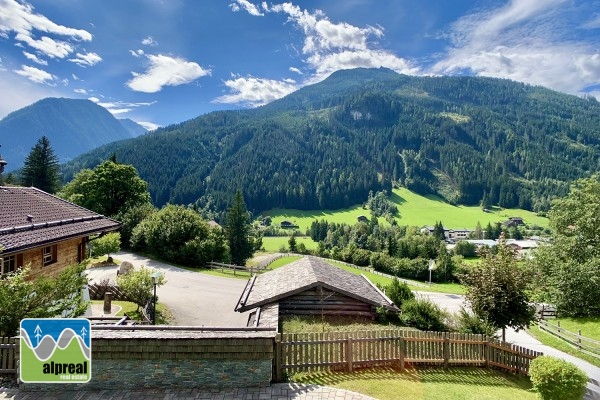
point(44, 231)
point(311, 286)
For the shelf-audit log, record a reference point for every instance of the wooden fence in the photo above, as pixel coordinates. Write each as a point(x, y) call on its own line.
point(97, 291)
point(221, 266)
point(584, 344)
point(8, 347)
point(348, 350)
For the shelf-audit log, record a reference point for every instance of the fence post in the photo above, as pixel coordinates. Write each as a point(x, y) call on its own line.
point(17, 358)
point(486, 353)
point(349, 353)
point(446, 349)
point(579, 338)
point(558, 322)
point(402, 350)
point(278, 360)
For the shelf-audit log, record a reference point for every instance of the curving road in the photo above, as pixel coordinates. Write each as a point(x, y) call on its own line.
point(194, 299)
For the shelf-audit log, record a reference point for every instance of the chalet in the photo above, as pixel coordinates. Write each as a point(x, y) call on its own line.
point(513, 222)
point(288, 225)
point(46, 232)
point(450, 234)
point(310, 286)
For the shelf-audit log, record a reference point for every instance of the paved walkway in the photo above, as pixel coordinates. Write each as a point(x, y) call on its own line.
point(280, 391)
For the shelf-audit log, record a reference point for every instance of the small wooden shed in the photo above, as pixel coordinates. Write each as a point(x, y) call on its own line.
point(311, 286)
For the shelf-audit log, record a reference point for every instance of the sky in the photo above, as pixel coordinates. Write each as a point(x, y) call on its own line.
point(160, 62)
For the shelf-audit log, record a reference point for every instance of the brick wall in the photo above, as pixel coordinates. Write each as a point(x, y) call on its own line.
point(176, 359)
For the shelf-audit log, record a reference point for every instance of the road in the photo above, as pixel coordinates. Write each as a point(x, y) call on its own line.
point(193, 298)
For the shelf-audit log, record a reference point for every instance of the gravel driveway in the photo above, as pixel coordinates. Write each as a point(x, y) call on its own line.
point(194, 299)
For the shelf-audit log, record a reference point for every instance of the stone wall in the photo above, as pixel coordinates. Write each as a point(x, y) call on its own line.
point(176, 359)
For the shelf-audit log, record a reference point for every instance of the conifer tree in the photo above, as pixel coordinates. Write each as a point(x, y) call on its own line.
point(241, 245)
point(41, 168)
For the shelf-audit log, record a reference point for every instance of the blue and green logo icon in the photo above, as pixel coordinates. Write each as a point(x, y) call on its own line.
point(55, 350)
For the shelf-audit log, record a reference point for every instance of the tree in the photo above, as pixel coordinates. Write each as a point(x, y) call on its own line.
point(438, 231)
point(41, 168)
point(109, 243)
point(568, 271)
point(292, 243)
point(107, 189)
point(241, 246)
point(43, 297)
point(130, 218)
point(138, 286)
point(497, 290)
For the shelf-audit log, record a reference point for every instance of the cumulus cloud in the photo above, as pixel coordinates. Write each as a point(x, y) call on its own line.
point(86, 60)
point(251, 91)
point(149, 41)
point(35, 58)
point(252, 9)
point(525, 40)
point(166, 71)
point(20, 18)
point(296, 70)
point(118, 107)
point(35, 74)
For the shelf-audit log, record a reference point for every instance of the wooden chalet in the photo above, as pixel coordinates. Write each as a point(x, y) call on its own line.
point(310, 286)
point(44, 231)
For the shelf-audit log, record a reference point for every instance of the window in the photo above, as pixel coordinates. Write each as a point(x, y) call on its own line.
point(49, 255)
point(10, 263)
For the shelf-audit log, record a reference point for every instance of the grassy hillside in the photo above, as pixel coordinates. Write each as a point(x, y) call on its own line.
point(414, 210)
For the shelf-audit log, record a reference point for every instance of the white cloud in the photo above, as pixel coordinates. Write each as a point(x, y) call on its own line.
point(149, 41)
point(35, 58)
point(251, 91)
point(35, 74)
point(150, 126)
point(238, 5)
point(118, 107)
point(80, 91)
point(21, 19)
point(18, 93)
point(522, 41)
point(296, 70)
point(136, 53)
point(166, 71)
point(594, 23)
point(86, 60)
point(50, 47)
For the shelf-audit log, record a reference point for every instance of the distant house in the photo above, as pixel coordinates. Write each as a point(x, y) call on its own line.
point(362, 218)
point(513, 222)
point(288, 225)
point(483, 242)
point(523, 248)
point(311, 286)
point(44, 231)
point(449, 234)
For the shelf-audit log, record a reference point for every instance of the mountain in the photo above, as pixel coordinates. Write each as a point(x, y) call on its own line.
point(471, 140)
point(73, 127)
point(133, 127)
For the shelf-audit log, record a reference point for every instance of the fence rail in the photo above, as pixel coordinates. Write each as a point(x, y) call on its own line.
point(234, 268)
point(348, 350)
point(584, 344)
point(8, 347)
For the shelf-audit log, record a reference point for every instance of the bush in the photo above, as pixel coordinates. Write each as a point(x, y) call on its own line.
point(556, 379)
point(399, 292)
point(467, 322)
point(423, 315)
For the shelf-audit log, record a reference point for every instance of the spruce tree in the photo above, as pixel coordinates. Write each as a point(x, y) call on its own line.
point(41, 168)
point(241, 245)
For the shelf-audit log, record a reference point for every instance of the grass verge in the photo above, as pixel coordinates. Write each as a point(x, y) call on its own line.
point(559, 344)
point(163, 315)
point(426, 383)
point(273, 244)
point(590, 326)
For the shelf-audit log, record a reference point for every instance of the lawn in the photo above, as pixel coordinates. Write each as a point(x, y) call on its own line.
point(272, 244)
point(314, 324)
point(450, 288)
point(163, 316)
point(414, 210)
point(590, 327)
point(559, 344)
point(465, 383)
point(230, 273)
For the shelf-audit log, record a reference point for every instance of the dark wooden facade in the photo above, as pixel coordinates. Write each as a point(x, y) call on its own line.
point(322, 301)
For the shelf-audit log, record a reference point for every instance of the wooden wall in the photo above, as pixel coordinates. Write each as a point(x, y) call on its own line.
point(67, 254)
point(320, 301)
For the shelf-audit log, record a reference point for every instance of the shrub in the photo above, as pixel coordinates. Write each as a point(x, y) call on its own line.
point(399, 292)
point(556, 379)
point(424, 315)
point(467, 322)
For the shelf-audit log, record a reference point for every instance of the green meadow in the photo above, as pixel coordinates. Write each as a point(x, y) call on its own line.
point(272, 244)
point(414, 210)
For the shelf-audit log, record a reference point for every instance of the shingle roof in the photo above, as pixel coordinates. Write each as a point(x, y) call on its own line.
point(30, 218)
point(306, 273)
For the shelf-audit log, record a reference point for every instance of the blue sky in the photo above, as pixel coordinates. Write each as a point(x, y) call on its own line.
point(160, 62)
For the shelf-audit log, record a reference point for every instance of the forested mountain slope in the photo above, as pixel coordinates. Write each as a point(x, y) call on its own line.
point(73, 127)
point(468, 139)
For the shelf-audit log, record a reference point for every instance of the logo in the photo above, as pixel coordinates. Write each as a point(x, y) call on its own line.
point(55, 350)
